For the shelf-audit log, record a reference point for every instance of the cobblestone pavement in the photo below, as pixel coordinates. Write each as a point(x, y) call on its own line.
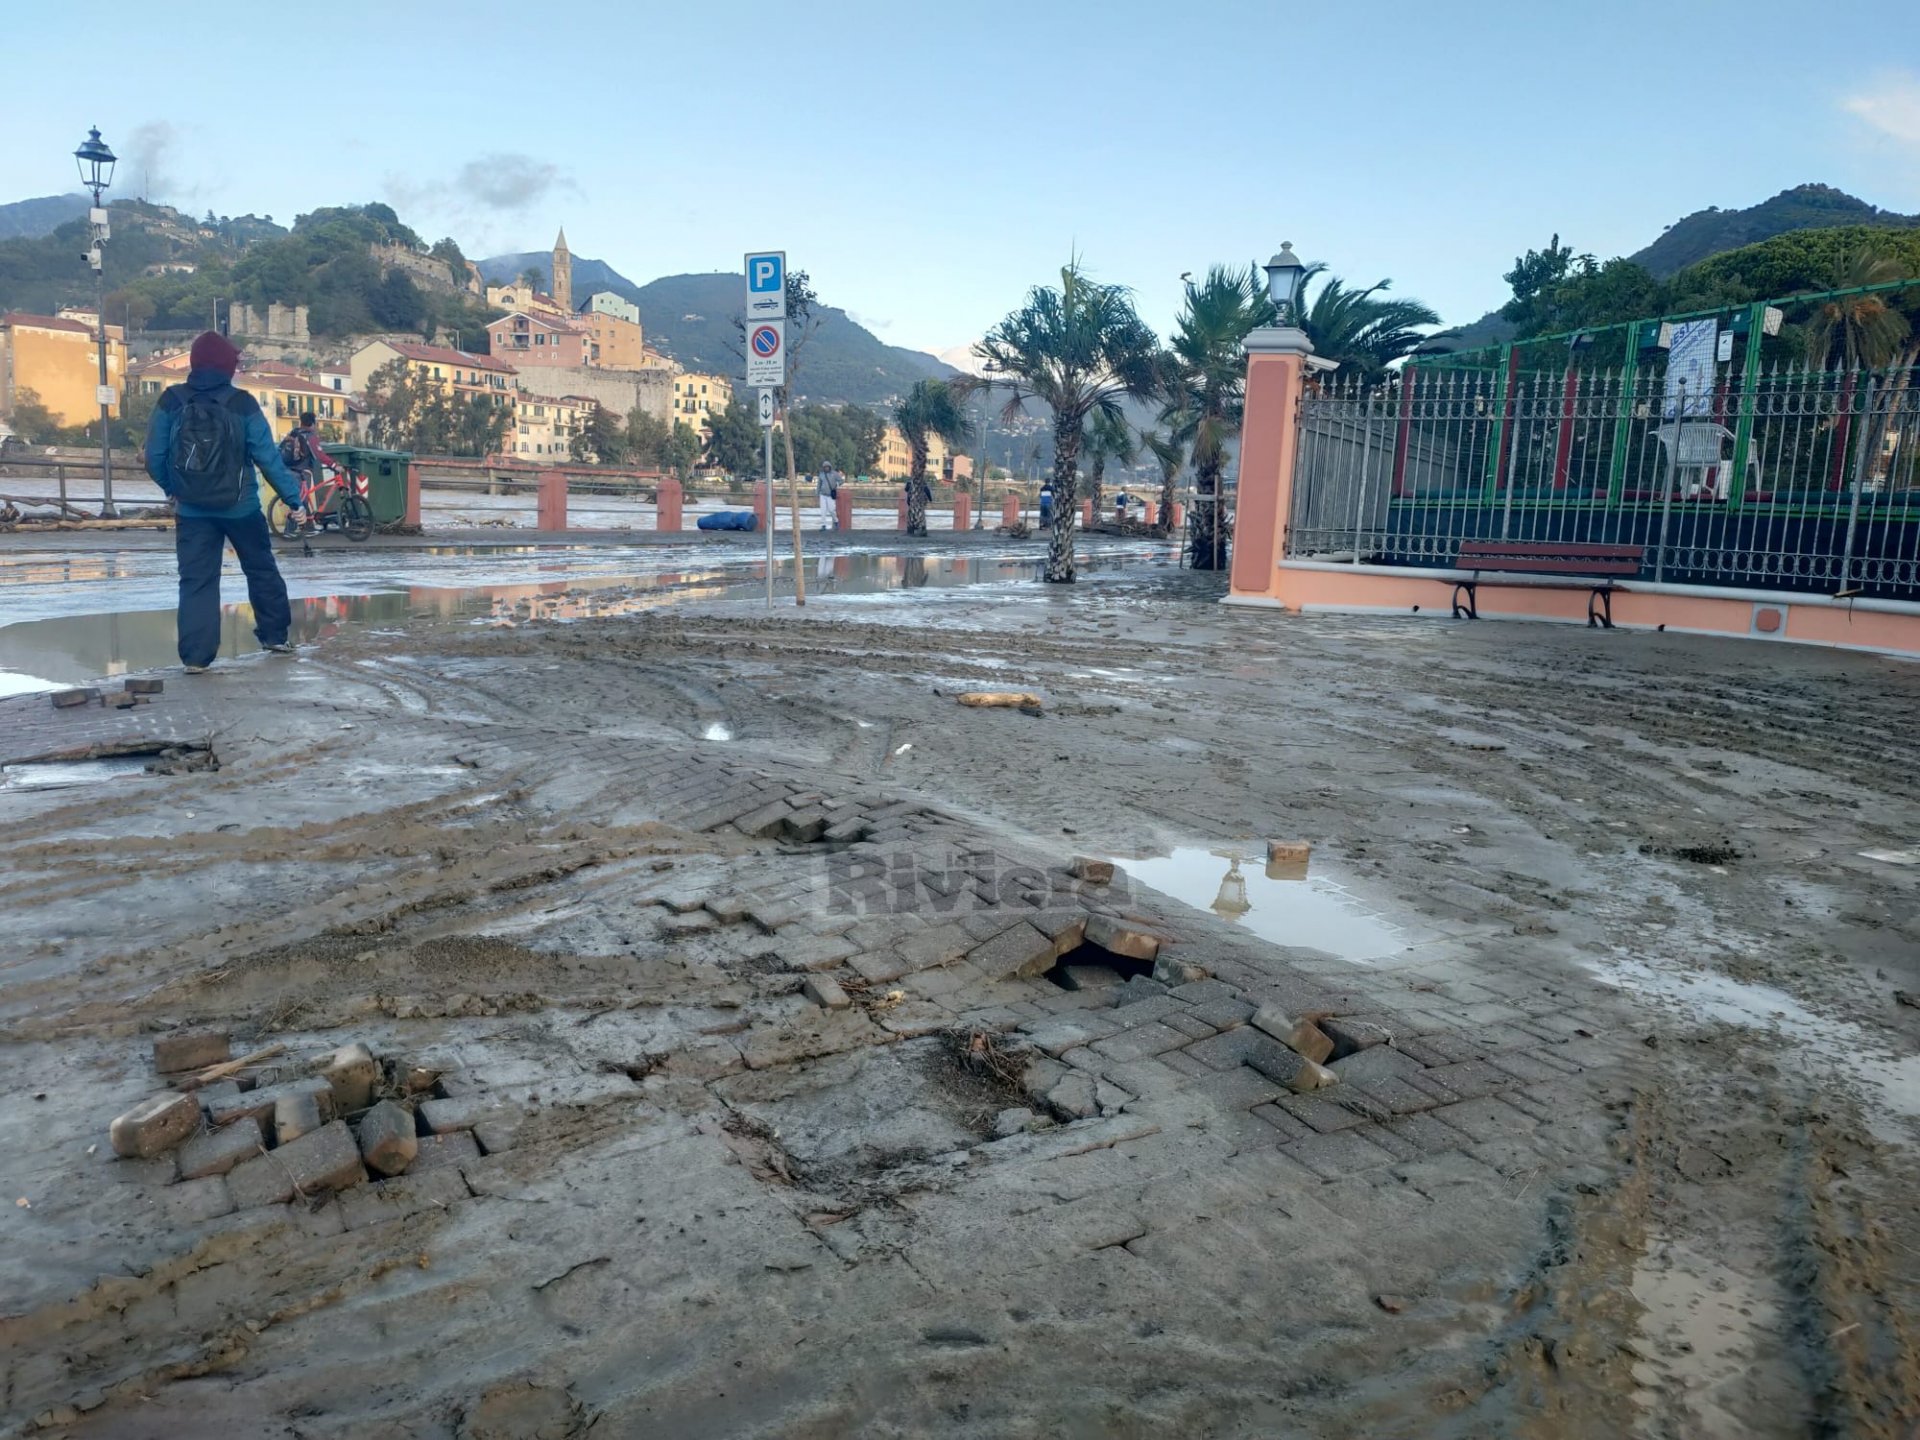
point(808, 1087)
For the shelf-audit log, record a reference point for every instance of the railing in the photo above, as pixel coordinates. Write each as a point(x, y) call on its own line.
point(1796, 479)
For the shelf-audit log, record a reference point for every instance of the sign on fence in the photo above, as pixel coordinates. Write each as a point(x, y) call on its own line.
point(1690, 362)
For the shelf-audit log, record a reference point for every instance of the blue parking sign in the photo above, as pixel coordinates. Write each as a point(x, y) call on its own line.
point(767, 285)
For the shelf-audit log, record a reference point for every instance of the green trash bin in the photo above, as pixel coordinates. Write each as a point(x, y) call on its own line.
point(386, 472)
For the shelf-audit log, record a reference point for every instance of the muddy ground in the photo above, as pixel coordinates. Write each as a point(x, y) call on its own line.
point(1640, 1160)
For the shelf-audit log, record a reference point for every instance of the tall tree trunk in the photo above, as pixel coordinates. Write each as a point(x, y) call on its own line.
point(1165, 527)
point(1066, 503)
point(1096, 481)
point(1207, 548)
point(917, 493)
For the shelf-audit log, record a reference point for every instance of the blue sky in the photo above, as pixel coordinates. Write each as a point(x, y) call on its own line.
point(928, 162)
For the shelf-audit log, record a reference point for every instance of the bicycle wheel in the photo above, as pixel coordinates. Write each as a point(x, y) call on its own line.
point(280, 519)
point(356, 517)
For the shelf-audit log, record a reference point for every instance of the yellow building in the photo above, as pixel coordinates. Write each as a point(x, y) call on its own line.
point(896, 456)
point(58, 359)
point(284, 393)
point(543, 429)
point(454, 371)
point(697, 398)
point(618, 343)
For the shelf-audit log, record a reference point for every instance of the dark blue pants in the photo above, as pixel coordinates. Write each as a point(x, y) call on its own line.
point(198, 544)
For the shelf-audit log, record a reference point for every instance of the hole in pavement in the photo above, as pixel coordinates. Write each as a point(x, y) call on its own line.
point(1093, 967)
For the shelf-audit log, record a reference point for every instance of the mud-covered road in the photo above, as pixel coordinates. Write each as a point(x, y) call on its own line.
point(1638, 1158)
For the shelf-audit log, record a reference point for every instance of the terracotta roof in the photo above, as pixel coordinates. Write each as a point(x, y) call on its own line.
point(551, 322)
point(273, 380)
point(43, 322)
point(441, 355)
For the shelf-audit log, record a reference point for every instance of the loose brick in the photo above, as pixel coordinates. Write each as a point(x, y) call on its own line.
point(387, 1140)
point(157, 1123)
point(72, 699)
point(1289, 1067)
point(1121, 938)
point(803, 827)
point(352, 1074)
point(1303, 1037)
point(190, 1050)
point(1352, 1036)
point(295, 1114)
point(325, 1160)
point(1021, 950)
point(215, 1152)
point(463, 1113)
point(1094, 872)
point(260, 1103)
point(765, 821)
point(145, 685)
point(847, 832)
point(825, 992)
point(1169, 970)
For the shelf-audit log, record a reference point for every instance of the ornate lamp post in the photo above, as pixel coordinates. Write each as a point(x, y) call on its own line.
point(96, 164)
point(1284, 273)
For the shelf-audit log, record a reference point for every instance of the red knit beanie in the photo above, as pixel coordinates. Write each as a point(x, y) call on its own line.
point(214, 351)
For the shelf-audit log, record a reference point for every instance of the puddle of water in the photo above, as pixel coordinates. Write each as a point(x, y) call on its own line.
point(716, 731)
point(62, 774)
point(1843, 1046)
point(1697, 1329)
point(68, 648)
point(1279, 903)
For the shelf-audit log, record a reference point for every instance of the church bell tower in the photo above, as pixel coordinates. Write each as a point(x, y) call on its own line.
point(563, 274)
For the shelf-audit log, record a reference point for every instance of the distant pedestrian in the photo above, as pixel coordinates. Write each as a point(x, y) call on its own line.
point(1046, 502)
point(828, 486)
point(203, 445)
point(1121, 502)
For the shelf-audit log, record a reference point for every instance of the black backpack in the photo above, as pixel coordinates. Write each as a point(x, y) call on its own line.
point(209, 455)
point(295, 451)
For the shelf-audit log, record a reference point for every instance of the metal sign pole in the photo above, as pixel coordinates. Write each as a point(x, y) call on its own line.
point(771, 513)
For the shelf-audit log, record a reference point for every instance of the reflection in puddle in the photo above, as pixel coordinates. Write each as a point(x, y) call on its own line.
point(58, 649)
point(1844, 1046)
point(716, 731)
point(62, 774)
point(1279, 903)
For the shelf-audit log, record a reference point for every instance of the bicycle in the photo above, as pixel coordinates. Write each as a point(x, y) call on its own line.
point(353, 513)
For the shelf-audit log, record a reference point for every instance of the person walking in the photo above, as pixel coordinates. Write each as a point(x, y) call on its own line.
point(828, 486)
point(203, 445)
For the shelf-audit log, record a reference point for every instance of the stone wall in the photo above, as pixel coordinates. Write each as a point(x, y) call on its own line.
point(276, 322)
point(620, 391)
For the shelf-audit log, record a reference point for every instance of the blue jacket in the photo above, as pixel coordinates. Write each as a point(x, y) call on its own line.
point(260, 448)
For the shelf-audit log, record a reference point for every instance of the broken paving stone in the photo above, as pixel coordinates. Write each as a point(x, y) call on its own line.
point(157, 1123)
point(1303, 1037)
point(352, 1073)
point(765, 821)
point(1021, 951)
point(262, 1102)
point(190, 1050)
point(462, 1113)
point(1089, 977)
point(803, 827)
point(1169, 971)
point(1120, 938)
point(825, 992)
point(1374, 1064)
point(215, 1152)
point(847, 832)
point(1067, 927)
point(296, 1113)
point(325, 1160)
point(1352, 1036)
point(1095, 872)
point(436, 1152)
point(69, 699)
point(1288, 1067)
point(1013, 1121)
point(387, 1140)
point(1074, 1097)
point(1289, 852)
point(148, 685)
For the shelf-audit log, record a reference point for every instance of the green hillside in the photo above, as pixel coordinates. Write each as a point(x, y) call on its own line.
point(30, 219)
point(1713, 230)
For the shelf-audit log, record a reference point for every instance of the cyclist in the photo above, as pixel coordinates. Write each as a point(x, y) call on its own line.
point(304, 455)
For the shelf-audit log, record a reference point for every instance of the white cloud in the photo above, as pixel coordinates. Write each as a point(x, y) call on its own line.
point(1890, 105)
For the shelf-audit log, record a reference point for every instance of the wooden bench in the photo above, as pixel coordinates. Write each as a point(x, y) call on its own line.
point(1574, 566)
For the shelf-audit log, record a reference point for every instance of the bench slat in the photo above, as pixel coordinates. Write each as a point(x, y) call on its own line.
point(1570, 566)
point(1567, 552)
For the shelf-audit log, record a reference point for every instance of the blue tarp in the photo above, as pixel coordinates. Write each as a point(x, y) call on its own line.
point(728, 520)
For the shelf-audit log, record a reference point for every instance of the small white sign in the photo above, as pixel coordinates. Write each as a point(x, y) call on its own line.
point(1726, 348)
point(106, 395)
point(767, 286)
point(767, 353)
point(766, 409)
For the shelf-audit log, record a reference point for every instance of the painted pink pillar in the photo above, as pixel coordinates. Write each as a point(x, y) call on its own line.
point(412, 516)
point(1276, 364)
point(1010, 511)
point(762, 504)
point(667, 503)
point(552, 512)
point(843, 508)
point(1179, 516)
point(962, 511)
point(903, 510)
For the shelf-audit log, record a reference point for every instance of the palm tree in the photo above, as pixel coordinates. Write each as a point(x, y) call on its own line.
point(1107, 438)
point(932, 407)
point(1850, 331)
point(1206, 394)
point(1361, 331)
point(1169, 456)
point(1079, 349)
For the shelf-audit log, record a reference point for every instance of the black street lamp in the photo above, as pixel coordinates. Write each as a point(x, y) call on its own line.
point(96, 164)
point(1284, 273)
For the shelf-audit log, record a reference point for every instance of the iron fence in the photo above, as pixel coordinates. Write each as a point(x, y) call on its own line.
point(1787, 479)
